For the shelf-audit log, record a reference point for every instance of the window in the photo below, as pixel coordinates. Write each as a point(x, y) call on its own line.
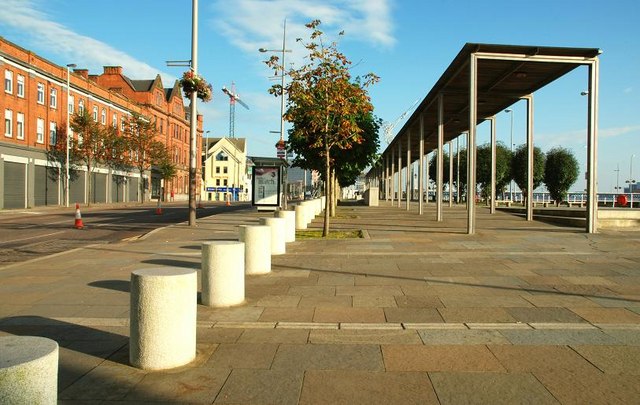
point(114, 120)
point(217, 182)
point(20, 89)
point(53, 133)
point(224, 183)
point(218, 169)
point(40, 130)
point(122, 124)
point(95, 113)
point(40, 93)
point(53, 98)
point(103, 117)
point(225, 170)
point(80, 106)
point(8, 81)
point(8, 123)
point(222, 157)
point(20, 126)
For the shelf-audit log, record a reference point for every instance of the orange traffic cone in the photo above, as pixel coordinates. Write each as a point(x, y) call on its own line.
point(159, 208)
point(78, 224)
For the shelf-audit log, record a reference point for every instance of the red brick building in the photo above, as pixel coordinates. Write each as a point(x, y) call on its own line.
point(34, 106)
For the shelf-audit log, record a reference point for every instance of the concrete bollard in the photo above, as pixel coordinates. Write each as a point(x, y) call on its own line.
point(308, 210)
point(223, 273)
point(28, 370)
point(163, 317)
point(318, 205)
point(301, 217)
point(278, 245)
point(257, 248)
point(289, 224)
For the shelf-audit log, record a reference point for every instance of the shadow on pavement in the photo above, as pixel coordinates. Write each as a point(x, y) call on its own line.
point(116, 285)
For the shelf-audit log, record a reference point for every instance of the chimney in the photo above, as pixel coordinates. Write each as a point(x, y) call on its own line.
point(93, 78)
point(112, 70)
point(82, 72)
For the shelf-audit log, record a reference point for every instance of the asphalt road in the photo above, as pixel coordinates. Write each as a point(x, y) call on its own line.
point(29, 234)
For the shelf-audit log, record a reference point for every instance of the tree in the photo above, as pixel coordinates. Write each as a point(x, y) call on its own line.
point(89, 145)
point(144, 149)
point(519, 167)
point(324, 99)
point(560, 172)
point(57, 158)
point(433, 168)
point(503, 168)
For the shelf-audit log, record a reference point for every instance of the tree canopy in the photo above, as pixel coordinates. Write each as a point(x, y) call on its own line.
point(560, 172)
point(519, 167)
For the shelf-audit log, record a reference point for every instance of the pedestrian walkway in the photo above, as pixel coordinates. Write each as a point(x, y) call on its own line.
point(416, 312)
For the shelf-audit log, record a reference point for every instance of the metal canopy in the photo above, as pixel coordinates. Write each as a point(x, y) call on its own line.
point(506, 73)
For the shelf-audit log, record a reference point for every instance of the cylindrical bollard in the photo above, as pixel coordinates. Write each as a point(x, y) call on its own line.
point(308, 210)
point(301, 217)
point(163, 317)
point(222, 273)
point(257, 248)
point(278, 244)
point(289, 224)
point(317, 203)
point(28, 370)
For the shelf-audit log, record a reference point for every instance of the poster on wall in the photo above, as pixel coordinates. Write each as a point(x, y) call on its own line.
point(266, 186)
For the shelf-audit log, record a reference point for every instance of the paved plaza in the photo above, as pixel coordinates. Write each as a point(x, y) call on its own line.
point(416, 312)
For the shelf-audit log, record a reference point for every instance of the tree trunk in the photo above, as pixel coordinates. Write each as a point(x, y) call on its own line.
point(141, 186)
point(328, 193)
point(334, 194)
point(89, 184)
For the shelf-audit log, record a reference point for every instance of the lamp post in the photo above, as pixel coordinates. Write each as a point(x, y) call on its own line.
point(66, 182)
point(281, 141)
point(510, 112)
point(631, 180)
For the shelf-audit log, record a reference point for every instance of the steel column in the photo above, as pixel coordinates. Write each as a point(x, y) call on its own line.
point(426, 176)
point(421, 167)
point(492, 197)
point(450, 143)
point(439, 168)
point(409, 174)
point(530, 155)
point(592, 148)
point(471, 145)
point(393, 171)
point(399, 173)
point(386, 177)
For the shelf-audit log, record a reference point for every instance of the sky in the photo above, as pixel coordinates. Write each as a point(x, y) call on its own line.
point(408, 43)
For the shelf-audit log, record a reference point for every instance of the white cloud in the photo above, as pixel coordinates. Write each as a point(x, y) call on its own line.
point(578, 137)
point(24, 16)
point(628, 90)
point(251, 24)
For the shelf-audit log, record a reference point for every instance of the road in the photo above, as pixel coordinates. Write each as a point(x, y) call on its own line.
point(29, 234)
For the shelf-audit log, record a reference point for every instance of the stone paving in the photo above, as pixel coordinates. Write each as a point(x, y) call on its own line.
point(416, 312)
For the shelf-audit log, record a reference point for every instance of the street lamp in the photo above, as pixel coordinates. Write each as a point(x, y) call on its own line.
point(283, 51)
point(66, 183)
point(631, 179)
point(510, 112)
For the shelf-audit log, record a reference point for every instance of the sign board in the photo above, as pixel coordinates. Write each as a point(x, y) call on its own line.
point(265, 187)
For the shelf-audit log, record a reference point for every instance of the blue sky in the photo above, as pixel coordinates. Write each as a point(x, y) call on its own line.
point(408, 44)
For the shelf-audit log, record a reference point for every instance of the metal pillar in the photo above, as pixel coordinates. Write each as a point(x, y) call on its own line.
point(450, 143)
point(440, 163)
point(426, 175)
point(409, 174)
point(386, 177)
point(592, 148)
point(399, 174)
point(530, 150)
point(492, 197)
point(471, 145)
point(458, 170)
point(393, 170)
point(421, 167)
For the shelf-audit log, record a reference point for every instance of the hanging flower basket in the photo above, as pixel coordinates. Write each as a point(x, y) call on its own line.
point(191, 82)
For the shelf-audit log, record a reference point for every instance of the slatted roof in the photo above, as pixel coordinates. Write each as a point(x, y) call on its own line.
point(506, 73)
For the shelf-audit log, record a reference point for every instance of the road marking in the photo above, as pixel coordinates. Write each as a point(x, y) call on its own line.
point(30, 237)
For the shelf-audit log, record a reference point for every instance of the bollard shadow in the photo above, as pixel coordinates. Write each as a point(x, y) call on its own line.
point(191, 247)
point(174, 263)
point(82, 348)
point(116, 285)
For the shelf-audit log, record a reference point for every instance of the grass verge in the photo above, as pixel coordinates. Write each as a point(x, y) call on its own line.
point(335, 234)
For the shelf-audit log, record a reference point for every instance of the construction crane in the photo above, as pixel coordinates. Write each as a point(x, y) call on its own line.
point(233, 98)
point(387, 127)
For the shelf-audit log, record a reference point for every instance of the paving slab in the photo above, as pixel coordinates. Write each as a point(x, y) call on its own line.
point(246, 386)
point(439, 358)
point(489, 388)
point(462, 337)
point(243, 355)
point(365, 387)
point(328, 357)
point(612, 359)
point(375, 337)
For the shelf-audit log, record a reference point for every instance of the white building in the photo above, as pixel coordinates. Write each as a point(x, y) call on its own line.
point(225, 169)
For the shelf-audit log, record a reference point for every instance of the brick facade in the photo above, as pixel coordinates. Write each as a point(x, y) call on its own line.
point(33, 104)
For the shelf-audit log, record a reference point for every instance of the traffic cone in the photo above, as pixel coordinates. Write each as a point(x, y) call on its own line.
point(78, 224)
point(159, 208)
point(228, 200)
